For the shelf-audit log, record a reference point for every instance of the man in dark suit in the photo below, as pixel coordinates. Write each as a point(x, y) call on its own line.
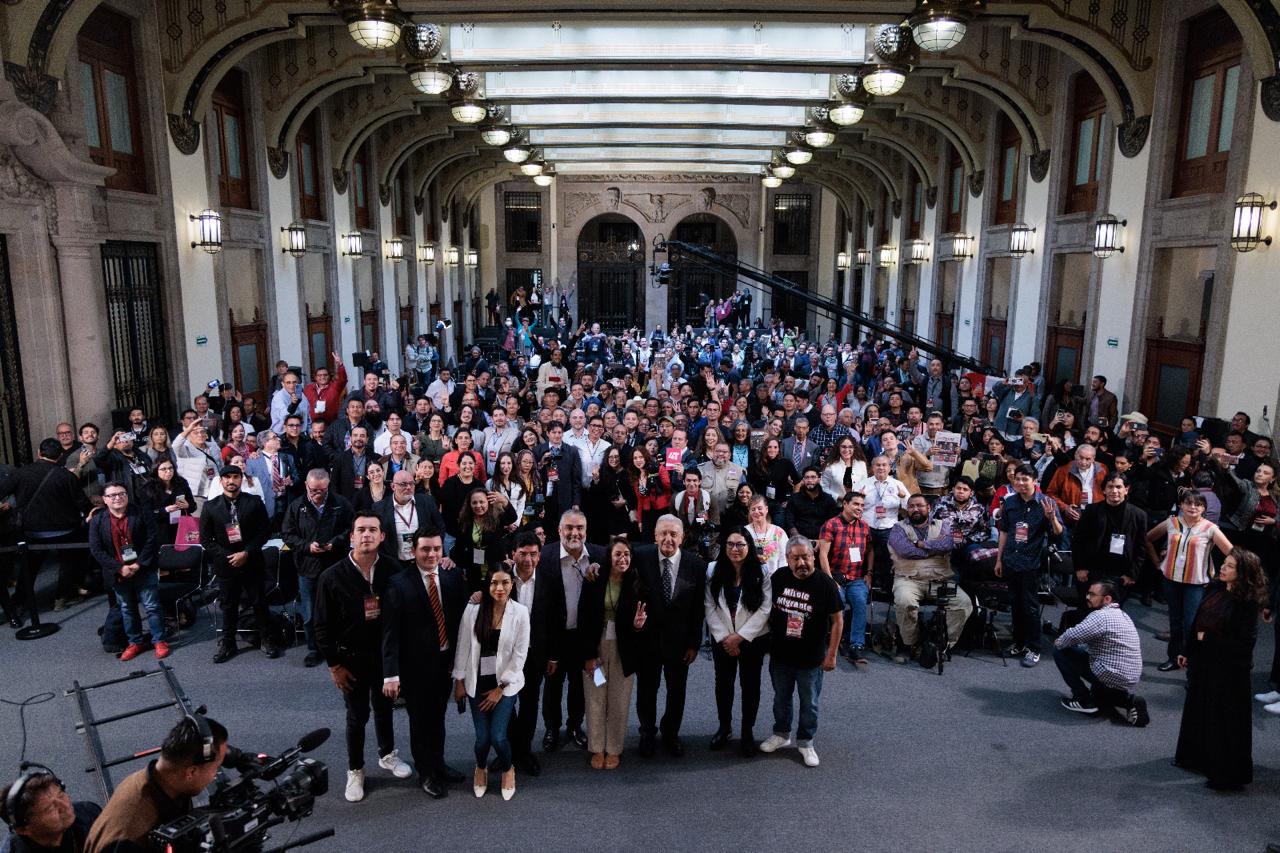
point(125, 543)
point(233, 528)
point(561, 468)
point(349, 466)
point(669, 620)
point(799, 448)
point(402, 513)
point(420, 616)
point(571, 560)
point(335, 436)
point(542, 592)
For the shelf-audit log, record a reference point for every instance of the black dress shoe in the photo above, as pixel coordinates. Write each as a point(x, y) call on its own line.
point(579, 737)
point(435, 789)
point(452, 775)
point(551, 740)
point(312, 659)
point(530, 766)
point(674, 746)
point(272, 651)
point(648, 745)
point(226, 652)
point(1168, 666)
point(749, 747)
point(719, 739)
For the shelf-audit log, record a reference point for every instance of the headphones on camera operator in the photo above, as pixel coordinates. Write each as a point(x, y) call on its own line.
point(15, 809)
point(208, 747)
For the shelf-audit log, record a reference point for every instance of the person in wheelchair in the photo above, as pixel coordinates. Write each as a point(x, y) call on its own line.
point(921, 560)
point(972, 543)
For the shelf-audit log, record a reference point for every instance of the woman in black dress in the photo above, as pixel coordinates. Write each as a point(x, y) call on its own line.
point(1216, 737)
point(606, 499)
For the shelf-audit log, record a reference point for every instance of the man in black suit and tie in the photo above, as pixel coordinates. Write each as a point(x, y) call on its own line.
point(669, 620)
point(402, 513)
point(420, 615)
point(570, 560)
point(350, 466)
point(799, 448)
point(561, 467)
point(542, 592)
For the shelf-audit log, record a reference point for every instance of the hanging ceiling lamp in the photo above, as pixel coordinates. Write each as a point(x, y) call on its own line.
point(884, 80)
point(469, 111)
point(530, 168)
point(517, 153)
point(495, 134)
point(429, 79)
point(888, 74)
point(797, 155)
point(782, 170)
point(374, 24)
point(820, 134)
point(771, 180)
point(940, 25)
point(846, 113)
point(545, 178)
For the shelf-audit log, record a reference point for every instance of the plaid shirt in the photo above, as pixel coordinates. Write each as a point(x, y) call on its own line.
point(844, 535)
point(1115, 655)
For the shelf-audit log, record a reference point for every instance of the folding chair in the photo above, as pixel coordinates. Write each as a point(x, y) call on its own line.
point(182, 576)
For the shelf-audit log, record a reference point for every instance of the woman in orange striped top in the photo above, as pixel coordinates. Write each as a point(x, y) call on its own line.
point(1189, 539)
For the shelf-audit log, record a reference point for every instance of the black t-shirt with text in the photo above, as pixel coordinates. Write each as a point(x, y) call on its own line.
point(800, 619)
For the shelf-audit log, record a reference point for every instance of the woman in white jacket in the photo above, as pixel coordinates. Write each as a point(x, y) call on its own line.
point(738, 599)
point(488, 669)
point(844, 468)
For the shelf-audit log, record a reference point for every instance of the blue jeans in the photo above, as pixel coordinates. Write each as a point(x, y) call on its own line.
point(808, 683)
point(854, 595)
point(1183, 600)
point(307, 595)
point(491, 732)
point(144, 589)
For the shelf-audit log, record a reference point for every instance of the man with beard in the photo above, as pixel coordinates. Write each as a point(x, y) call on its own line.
point(921, 560)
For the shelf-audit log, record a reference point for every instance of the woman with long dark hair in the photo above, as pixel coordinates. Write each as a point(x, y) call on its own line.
point(648, 496)
point(488, 671)
point(167, 497)
point(601, 628)
point(1216, 735)
point(482, 528)
point(606, 498)
point(774, 476)
point(737, 603)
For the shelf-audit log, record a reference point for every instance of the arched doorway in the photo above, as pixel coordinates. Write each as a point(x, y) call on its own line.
point(611, 273)
point(692, 284)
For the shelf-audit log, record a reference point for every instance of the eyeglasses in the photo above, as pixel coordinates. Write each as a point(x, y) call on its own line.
point(735, 545)
point(114, 495)
point(402, 485)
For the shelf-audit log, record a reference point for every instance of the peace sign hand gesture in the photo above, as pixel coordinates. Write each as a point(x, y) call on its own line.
point(641, 617)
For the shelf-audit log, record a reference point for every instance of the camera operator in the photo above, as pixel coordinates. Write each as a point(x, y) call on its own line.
point(41, 815)
point(348, 626)
point(162, 791)
point(922, 558)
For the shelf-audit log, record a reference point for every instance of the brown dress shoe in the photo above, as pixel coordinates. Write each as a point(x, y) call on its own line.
point(597, 761)
point(611, 761)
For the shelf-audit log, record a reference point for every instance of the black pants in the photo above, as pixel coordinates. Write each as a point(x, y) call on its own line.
point(366, 693)
point(1025, 607)
point(553, 690)
point(70, 562)
point(426, 699)
point(746, 667)
point(649, 675)
point(882, 575)
point(524, 722)
point(233, 586)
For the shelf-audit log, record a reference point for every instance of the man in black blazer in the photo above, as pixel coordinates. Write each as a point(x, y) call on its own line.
point(570, 560)
point(351, 466)
point(419, 637)
point(335, 435)
point(561, 468)
point(233, 528)
point(670, 631)
point(402, 513)
point(542, 592)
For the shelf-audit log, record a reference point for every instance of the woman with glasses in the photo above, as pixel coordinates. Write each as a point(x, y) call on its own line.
point(168, 497)
point(845, 468)
point(737, 602)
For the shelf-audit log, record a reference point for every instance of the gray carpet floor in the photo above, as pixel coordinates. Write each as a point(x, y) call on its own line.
point(979, 759)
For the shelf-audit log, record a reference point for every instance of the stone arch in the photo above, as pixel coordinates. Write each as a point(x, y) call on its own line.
point(690, 282)
point(610, 253)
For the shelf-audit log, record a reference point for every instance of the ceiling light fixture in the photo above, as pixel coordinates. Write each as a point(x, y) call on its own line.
point(495, 134)
point(884, 80)
point(429, 79)
point(469, 111)
point(846, 113)
point(771, 180)
point(797, 155)
point(517, 153)
point(531, 168)
point(820, 134)
point(940, 25)
point(374, 24)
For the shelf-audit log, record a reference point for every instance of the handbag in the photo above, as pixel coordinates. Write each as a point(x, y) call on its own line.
point(188, 533)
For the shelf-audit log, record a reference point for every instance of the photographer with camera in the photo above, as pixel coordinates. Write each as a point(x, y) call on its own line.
point(921, 563)
point(190, 757)
point(40, 815)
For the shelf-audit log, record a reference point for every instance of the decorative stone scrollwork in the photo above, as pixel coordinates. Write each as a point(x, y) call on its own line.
point(185, 132)
point(1270, 96)
point(976, 180)
point(341, 178)
point(33, 87)
point(931, 197)
point(278, 162)
point(1133, 135)
point(419, 204)
point(384, 194)
point(1040, 165)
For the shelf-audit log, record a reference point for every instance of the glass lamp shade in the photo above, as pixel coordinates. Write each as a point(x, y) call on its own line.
point(352, 244)
point(1021, 240)
point(797, 156)
point(473, 258)
point(429, 79)
point(1106, 236)
point(863, 257)
point(543, 180)
point(294, 240)
point(374, 33)
point(819, 136)
point(888, 255)
point(783, 170)
point(939, 34)
point(427, 253)
point(771, 181)
point(208, 231)
point(469, 112)
point(961, 247)
point(884, 80)
point(846, 113)
point(919, 252)
point(531, 168)
point(393, 250)
point(496, 134)
point(842, 260)
point(1246, 223)
point(517, 153)
point(451, 256)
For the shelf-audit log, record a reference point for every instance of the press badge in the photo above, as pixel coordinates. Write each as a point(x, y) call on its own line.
point(372, 610)
point(233, 533)
point(855, 554)
point(174, 516)
point(320, 406)
point(209, 473)
point(770, 492)
point(1117, 543)
point(358, 482)
point(1021, 531)
point(128, 555)
point(478, 556)
point(795, 625)
point(881, 512)
point(489, 665)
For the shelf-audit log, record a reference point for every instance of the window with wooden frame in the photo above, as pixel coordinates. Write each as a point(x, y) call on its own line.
point(307, 155)
point(1211, 80)
point(522, 212)
point(229, 142)
point(360, 188)
point(1087, 111)
point(915, 218)
point(955, 192)
point(1009, 153)
point(109, 91)
point(791, 223)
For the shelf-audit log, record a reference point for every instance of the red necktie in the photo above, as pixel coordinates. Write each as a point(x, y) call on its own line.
point(437, 608)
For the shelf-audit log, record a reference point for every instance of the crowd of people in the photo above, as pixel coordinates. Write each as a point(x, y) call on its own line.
point(541, 527)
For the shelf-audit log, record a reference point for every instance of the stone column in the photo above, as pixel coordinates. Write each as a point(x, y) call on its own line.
point(1030, 279)
point(88, 337)
point(968, 313)
point(285, 278)
point(926, 272)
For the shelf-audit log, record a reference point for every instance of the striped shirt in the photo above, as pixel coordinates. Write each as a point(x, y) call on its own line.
point(1115, 655)
point(1187, 557)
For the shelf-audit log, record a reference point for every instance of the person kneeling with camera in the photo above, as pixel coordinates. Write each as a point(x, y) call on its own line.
point(42, 816)
point(1101, 658)
point(189, 760)
point(921, 561)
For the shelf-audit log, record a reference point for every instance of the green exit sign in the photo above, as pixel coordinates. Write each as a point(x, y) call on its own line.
point(1114, 343)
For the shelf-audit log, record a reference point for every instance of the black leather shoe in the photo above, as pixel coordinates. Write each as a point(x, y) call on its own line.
point(551, 740)
point(435, 789)
point(530, 766)
point(452, 775)
point(272, 651)
point(719, 739)
point(225, 652)
point(312, 659)
point(579, 737)
point(1168, 666)
point(674, 746)
point(648, 745)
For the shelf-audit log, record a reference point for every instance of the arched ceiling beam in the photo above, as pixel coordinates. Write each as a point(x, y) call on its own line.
point(940, 121)
point(876, 129)
point(283, 122)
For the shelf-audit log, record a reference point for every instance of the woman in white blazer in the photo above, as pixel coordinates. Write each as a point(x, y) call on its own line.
point(738, 599)
point(488, 669)
point(844, 468)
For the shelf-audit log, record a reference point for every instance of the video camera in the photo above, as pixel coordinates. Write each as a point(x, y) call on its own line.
point(268, 792)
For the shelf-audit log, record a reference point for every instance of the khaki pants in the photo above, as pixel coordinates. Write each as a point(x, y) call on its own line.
point(608, 706)
point(907, 595)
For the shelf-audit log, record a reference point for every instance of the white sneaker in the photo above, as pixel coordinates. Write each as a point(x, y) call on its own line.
point(391, 761)
point(775, 742)
point(1273, 708)
point(810, 755)
point(1268, 698)
point(355, 786)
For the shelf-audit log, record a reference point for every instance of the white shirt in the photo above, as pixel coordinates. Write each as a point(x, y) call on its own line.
point(382, 444)
point(572, 572)
point(890, 494)
point(406, 524)
point(1086, 483)
point(426, 579)
point(525, 590)
point(592, 457)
